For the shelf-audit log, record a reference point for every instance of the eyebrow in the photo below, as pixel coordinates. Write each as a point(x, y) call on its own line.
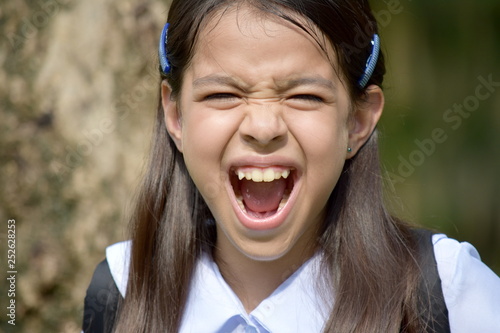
point(218, 80)
point(283, 85)
point(305, 81)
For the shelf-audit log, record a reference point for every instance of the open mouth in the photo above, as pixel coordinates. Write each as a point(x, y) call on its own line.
point(262, 193)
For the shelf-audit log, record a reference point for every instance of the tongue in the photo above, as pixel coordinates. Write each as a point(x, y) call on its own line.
point(262, 197)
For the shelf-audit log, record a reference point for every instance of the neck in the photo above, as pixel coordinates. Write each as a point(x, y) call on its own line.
point(255, 280)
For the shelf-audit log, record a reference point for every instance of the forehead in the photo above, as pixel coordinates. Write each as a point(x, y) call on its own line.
point(239, 36)
point(250, 19)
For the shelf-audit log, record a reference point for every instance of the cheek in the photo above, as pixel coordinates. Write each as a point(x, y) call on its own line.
point(326, 157)
point(322, 138)
point(324, 144)
point(205, 138)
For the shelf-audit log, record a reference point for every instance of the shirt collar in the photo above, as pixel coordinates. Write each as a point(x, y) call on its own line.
point(297, 305)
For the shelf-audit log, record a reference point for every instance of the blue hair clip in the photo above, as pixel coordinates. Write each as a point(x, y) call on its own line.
point(371, 62)
point(162, 50)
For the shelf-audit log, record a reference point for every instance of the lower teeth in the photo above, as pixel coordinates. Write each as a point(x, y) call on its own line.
point(239, 199)
point(283, 201)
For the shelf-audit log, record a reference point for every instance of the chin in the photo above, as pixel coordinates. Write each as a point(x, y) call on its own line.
point(267, 252)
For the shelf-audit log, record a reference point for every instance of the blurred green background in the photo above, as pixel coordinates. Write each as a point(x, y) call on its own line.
point(78, 88)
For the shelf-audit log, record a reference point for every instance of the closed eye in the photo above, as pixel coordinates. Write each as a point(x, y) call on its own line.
point(220, 97)
point(307, 97)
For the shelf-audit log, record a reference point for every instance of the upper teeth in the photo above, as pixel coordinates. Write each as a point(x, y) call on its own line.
point(262, 175)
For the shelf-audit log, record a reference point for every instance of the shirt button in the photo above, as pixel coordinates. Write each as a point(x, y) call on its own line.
point(267, 308)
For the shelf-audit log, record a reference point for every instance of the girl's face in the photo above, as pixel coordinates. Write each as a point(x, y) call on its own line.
point(263, 122)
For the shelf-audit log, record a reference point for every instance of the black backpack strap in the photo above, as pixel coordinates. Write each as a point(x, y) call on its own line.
point(101, 302)
point(431, 299)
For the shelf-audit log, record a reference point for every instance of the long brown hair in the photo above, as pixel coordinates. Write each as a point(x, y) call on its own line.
point(369, 256)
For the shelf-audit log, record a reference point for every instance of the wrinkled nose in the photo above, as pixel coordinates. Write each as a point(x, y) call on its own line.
point(263, 125)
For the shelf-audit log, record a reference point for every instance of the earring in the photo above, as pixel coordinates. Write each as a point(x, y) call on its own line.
point(349, 149)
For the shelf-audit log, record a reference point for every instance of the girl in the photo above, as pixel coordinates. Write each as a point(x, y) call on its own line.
point(262, 208)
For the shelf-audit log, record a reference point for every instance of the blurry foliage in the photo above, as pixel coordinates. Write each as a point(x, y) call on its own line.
point(437, 52)
point(78, 87)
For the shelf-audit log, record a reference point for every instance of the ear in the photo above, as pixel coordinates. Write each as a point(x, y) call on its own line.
point(172, 115)
point(366, 116)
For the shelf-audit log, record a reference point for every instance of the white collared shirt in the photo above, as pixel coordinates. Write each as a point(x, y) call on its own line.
point(471, 291)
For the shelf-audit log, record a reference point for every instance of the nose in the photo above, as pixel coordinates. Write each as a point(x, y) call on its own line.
point(263, 125)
